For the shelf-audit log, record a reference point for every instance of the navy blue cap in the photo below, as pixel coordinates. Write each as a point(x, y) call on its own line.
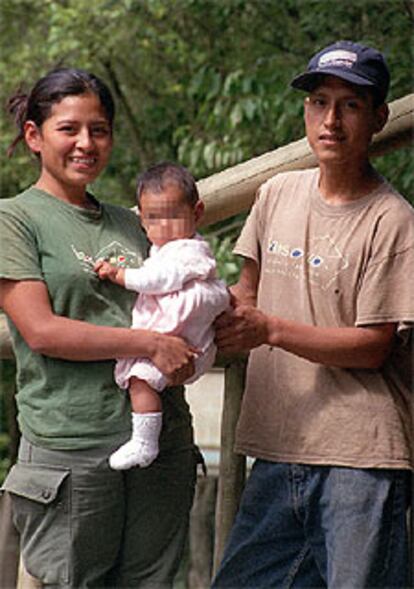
point(352, 62)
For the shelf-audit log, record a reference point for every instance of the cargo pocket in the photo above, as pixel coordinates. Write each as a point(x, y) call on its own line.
point(41, 513)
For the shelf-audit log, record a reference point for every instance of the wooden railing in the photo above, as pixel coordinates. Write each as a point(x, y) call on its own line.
point(226, 194)
point(232, 191)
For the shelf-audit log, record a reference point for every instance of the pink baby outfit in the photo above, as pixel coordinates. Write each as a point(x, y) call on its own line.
point(179, 294)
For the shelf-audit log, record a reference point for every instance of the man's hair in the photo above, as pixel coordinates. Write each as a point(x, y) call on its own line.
point(156, 177)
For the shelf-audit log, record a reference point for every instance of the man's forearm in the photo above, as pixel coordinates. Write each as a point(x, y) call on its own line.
point(345, 347)
point(247, 327)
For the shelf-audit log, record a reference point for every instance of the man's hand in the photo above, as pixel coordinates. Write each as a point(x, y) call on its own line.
point(241, 329)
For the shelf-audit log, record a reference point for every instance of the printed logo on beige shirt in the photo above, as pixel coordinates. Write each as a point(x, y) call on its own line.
point(322, 262)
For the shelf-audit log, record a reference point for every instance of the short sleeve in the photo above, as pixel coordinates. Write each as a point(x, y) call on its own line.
point(386, 291)
point(248, 243)
point(19, 258)
point(252, 235)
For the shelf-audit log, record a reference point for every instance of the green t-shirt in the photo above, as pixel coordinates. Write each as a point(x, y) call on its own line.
point(64, 404)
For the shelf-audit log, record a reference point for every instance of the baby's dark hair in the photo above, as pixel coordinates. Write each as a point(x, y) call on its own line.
point(56, 85)
point(156, 177)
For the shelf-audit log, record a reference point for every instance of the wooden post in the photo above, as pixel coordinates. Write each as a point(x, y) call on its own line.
point(232, 469)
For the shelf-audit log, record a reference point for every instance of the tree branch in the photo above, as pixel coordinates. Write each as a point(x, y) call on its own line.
point(134, 126)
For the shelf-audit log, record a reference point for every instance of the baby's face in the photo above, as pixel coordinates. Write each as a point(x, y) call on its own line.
point(166, 215)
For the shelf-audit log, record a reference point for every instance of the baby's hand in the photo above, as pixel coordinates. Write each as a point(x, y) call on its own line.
point(107, 271)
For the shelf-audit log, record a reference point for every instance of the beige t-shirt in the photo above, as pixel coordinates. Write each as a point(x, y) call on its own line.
point(324, 265)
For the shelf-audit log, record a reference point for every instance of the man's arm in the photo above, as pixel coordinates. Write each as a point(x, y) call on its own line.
point(28, 306)
point(246, 327)
point(245, 291)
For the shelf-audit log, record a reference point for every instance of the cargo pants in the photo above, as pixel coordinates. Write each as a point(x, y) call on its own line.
point(82, 524)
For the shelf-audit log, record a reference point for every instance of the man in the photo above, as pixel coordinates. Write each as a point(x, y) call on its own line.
point(325, 298)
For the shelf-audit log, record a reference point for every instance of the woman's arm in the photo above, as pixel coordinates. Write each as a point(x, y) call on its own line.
point(28, 306)
point(246, 327)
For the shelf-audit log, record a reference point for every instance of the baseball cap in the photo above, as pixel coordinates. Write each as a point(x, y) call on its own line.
point(352, 62)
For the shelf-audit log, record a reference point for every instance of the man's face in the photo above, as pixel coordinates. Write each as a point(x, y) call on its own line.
point(340, 121)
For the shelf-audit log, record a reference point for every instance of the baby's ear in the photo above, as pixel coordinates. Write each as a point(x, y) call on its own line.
point(199, 210)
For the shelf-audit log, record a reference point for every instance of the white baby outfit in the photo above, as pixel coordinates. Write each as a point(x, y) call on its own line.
point(179, 294)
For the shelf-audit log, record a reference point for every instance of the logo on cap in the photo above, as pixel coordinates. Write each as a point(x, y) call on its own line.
point(338, 58)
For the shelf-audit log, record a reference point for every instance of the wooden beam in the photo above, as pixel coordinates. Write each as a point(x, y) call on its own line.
point(232, 191)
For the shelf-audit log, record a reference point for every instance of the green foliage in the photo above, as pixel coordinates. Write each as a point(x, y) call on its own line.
point(4, 455)
point(204, 82)
point(7, 376)
point(397, 167)
point(228, 264)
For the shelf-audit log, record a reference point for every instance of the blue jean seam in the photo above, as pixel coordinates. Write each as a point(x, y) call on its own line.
point(296, 566)
point(392, 537)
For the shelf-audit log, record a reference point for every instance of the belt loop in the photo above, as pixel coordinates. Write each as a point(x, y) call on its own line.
point(25, 450)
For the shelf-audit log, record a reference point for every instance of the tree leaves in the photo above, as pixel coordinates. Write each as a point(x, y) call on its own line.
point(205, 82)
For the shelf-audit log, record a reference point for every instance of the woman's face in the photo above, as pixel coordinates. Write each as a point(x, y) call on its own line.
point(73, 144)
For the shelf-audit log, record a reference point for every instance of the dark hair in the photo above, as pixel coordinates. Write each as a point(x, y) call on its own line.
point(51, 89)
point(155, 178)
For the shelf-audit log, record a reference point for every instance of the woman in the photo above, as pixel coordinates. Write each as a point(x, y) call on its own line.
point(81, 523)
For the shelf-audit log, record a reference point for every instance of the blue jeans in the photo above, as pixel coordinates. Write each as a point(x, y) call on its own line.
point(317, 526)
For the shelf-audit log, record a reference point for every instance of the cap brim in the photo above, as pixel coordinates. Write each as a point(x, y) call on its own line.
point(307, 80)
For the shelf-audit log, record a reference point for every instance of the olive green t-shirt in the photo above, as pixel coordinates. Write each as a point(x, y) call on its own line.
point(64, 404)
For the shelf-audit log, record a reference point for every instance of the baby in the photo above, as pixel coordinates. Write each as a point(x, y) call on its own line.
point(179, 294)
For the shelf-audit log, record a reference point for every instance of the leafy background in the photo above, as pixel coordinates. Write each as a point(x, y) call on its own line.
point(203, 82)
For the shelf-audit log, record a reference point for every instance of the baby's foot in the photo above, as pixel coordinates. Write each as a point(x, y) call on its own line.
point(142, 449)
point(133, 453)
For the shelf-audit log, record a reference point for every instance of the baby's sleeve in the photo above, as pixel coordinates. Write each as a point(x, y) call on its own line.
point(169, 270)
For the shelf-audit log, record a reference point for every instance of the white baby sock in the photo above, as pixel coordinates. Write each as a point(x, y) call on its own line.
point(142, 448)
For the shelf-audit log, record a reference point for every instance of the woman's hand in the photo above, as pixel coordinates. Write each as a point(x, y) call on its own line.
point(173, 357)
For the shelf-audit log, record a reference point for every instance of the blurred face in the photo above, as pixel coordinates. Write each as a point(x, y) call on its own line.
point(73, 144)
point(340, 122)
point(167, 216)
